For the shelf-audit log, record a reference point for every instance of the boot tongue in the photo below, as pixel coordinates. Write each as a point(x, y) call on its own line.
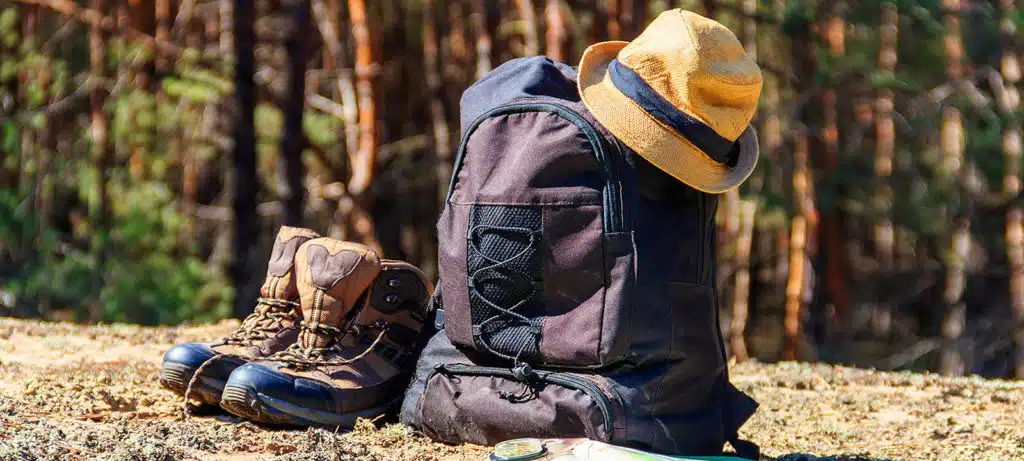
point(333, 277)
point(280, 281)
point(399, 298)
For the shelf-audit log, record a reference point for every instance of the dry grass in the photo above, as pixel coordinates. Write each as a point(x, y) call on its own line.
point(69, 392)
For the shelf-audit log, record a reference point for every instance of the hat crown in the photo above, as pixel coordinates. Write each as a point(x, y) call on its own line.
point(699, 66)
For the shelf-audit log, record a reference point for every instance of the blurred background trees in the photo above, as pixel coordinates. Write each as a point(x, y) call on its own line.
point(150, 148)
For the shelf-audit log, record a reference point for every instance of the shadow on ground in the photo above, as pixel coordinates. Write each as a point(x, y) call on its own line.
point(806, 457)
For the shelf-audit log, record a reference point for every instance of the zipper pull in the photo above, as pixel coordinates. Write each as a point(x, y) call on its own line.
point(523, 373)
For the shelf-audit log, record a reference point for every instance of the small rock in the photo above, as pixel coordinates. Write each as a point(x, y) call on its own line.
point(818, 383)
point(959, 391)
point(1003, 397)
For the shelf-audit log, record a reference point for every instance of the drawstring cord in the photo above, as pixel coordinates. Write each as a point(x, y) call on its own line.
point(510, 311)
point(521, 370)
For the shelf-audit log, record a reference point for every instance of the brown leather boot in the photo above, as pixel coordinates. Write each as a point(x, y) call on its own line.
point(271, 328)
point(363, 371)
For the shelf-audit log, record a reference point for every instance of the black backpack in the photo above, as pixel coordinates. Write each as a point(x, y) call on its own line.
point(577, 285)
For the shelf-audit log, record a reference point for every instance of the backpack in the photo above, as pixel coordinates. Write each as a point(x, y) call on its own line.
point(576, 290)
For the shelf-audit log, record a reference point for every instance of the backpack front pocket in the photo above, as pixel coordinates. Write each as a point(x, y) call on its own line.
point(504, 270)
point(486, 405)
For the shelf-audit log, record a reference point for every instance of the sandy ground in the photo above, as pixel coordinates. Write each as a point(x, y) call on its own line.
point(69, 392)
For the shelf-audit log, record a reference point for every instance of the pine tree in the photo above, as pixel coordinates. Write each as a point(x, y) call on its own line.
point(243, 196)
point(293, 140)
point(951, 360)
point(102, 151)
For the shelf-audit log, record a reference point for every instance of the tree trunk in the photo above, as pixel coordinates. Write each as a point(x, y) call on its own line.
point(885, 145)
point(9, 87)
point(163, 20)
point(825, 154)
point(355, 205)
point(442, 144)
point(45, 179)
point(737, 228)
point(776, 248)
point(556, 33)
point(481, 26)
point(363, 166)
point(244, 159)
point(710, 8)
point(141, 16)
point(102, 152)
point(29, 28)
point(741, 288)
point(1009, 102)
point(804, 225)
point(10, 170)
point(634, 17)
point(952, 137)
point(329, 32)
point(611, 11)
point(293, 140)
point(457, 36)
point(225, 10)
point(529, 18)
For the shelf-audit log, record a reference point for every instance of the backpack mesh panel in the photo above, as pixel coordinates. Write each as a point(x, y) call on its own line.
point(505, 271)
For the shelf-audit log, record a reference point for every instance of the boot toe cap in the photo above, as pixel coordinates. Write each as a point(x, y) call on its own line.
point(181, 362)
point(189, 354)
point(266, 380)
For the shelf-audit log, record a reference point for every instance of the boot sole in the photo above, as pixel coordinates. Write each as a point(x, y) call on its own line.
point(262, 408)
point(175, 377)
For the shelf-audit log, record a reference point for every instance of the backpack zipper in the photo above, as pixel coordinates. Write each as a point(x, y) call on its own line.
point(604, 404)
point(612, 201)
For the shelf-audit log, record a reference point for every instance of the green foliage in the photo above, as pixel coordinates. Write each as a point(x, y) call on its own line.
point(894, 81)
point(147, 278)
point(149, 273)
point(797, 18)
point(321, 129)
point(162, 267)
point(8, 32)
point(10, 139)
point(191, 89)
point(14, 224)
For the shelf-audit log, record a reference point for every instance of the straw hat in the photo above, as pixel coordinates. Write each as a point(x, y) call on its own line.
point(681, 95)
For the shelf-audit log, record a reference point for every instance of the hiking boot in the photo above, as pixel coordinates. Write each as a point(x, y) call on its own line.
point(362, 372)
point(271, 328)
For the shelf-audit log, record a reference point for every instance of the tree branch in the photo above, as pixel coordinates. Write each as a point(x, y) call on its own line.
point(108, 24)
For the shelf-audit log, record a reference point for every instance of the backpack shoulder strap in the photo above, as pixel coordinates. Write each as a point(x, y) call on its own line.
point(739, 407)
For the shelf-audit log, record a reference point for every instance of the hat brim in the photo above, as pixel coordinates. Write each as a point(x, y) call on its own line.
point(658, 144)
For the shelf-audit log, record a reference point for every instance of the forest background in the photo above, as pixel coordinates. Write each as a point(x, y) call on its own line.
point(149, 149)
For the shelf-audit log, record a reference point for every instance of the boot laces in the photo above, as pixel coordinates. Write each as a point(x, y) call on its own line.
point(303, 358)
point(264, 322)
